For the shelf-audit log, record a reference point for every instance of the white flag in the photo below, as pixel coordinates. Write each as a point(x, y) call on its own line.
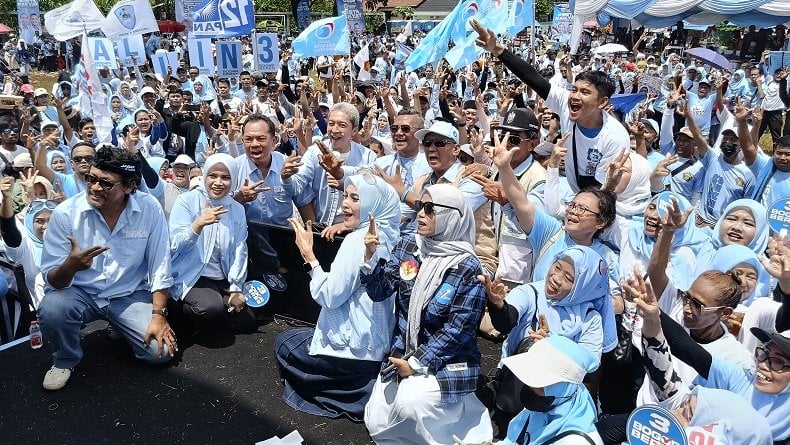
point(129, 17)
point(93, 101)
point(362, 59)
point(406, 33)
point(73, 19)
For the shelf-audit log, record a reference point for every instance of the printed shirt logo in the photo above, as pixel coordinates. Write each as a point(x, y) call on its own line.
point(408, 270)
point(445, 293)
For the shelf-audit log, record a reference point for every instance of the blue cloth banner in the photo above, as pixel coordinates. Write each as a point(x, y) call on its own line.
point(562, 23)
point(302, 14)
point(627, 9)
point(352, 9)
point(520, 16)
point(434, 45)
point(223, 18)
point(29, 19)
point(325, 37)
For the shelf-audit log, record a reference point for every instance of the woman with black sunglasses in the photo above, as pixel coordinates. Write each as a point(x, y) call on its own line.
point(425, 393)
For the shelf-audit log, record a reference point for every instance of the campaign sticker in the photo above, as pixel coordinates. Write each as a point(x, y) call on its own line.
point(445, 293)
point(256, 293)
point(408, 270)
point(651, 424)
point(779, 216)
point(275, 281)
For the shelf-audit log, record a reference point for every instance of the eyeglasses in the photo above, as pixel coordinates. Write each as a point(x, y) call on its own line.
point(580, 209)
point(81, 159)
point(103, 183)
point(404, 128)
point(39, 204)
point(429, 207)
point(775, 363)
point(695, 304)
point(11, 130)
point(438, 143)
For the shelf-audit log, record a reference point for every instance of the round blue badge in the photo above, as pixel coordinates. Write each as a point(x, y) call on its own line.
point(651, 424)
point(779, 216)
point(257, 293)
point(275, 281)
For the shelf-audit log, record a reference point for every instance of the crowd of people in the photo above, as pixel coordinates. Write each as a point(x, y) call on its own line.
point(607, 217)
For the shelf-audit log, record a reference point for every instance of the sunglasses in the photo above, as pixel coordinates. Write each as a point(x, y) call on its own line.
point(695, 304)
point(103, 183)
point(404, 128)
point(430, 207)
point(775, 363)
point(438, 143)
point(81, 159)
point(11, 130)
point(39, 204)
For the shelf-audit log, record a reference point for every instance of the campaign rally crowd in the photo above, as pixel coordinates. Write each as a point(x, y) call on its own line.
point(611, 218)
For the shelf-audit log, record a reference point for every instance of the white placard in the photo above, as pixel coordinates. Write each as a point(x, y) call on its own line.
point(267, 52)
point(200, 56)
point(103, 53)
point(160, 61)
point(229, 63)
point(131, 46)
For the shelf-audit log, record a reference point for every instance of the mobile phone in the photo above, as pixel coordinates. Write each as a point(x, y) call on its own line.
point(193, 107)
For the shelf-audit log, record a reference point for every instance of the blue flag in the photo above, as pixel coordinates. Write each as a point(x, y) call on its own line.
point(521, 15)
point(434, 45)
point(223, 18)
point(467, 10)
point(493, 14)
point(325, 37)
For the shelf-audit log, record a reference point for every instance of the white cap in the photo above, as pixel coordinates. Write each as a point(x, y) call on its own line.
point(442, 128)
point(184, 160)
point(146, 90)
point(545, 364)
point(467, 148)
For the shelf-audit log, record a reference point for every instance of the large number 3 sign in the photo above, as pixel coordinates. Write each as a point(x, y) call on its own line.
point(267, 53)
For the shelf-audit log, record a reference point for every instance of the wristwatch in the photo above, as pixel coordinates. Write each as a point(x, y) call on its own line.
point(308, 267)
point(163, 312)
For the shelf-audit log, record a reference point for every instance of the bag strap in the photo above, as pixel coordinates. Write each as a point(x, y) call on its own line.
point(684, 166)
point(527, 342)
point(564, 434)
point(546, 246)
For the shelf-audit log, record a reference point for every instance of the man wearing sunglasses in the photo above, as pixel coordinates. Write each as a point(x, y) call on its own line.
point(82, 157)
point(9, 135)
point(107, 256)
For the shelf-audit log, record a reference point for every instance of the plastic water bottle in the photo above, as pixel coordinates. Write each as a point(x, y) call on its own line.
point(36, 339)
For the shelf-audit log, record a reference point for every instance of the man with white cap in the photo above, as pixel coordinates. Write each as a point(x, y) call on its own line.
point(180, 182)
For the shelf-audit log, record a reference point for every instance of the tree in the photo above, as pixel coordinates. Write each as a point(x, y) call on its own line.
point(405, 12)
point(544, 9)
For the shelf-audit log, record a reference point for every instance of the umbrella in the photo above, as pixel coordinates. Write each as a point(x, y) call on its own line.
point(5, 29)
point(710, 57)
point(170, 26)
point(610, 48)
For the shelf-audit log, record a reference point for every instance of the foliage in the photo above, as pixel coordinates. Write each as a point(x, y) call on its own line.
point(405, 12)
point(544, 9)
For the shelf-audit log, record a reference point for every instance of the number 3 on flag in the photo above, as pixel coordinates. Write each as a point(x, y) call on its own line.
point(267, 53)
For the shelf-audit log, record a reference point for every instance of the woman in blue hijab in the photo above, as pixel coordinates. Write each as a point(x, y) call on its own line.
point(743, 222)
point(556, 402)
point(330, 370)
point(202, 90)
point(738, 86)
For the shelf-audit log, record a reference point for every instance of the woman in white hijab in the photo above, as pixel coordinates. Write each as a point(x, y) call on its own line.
point(425, 394)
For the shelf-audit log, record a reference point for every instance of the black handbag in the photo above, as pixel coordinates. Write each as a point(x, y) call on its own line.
point(622, 352)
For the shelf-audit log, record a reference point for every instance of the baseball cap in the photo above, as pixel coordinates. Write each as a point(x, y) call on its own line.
point(23, 161)
point(48, 123)
point(41, 92)
point(552, 360)
point(520, 119)
point(686, 132)
point(26, 88)
point(147, 90)
point(781, 340)
point(732, 129)
point(652, 123)
point(184, 160)
point(441, 128)
point(467, 149)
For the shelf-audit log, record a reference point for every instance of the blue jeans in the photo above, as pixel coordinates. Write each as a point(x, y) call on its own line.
point(63, 312)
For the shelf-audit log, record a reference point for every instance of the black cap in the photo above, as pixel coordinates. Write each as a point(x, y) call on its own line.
point(520, 119)
point(781, 340)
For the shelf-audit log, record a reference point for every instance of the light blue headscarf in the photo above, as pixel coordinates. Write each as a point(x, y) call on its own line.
point(730, 256)
point(687, 236)
point(33, 209)
point(376, 197)
point(574, 409)
point(760, 215)
point(207, 94)
point(729, 418)
point(590, 291)
point(740, 87)
point(52, 154)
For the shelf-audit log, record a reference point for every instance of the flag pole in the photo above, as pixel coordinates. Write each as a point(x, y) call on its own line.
point(532, 34)
point(350, 62)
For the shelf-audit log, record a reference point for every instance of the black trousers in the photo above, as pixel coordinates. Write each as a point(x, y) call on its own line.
point(773, 121)
point(204, 306)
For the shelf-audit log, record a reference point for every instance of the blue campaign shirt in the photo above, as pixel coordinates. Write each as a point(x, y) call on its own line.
point(273, 206)
point(701, 108)
point(191, 252)
point(772, 184)
point(723, 184)
point(70, 183)
point(311, 185)
point(410, 170)
point(471, 190)
point(139, 254)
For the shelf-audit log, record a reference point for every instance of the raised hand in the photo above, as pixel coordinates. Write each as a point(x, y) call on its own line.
point(641, 293)
point(542, 331)
point(741, 111)
point(291, 166)
point(486, 38)
point(79, 259)
point(248, 193)
point(395, 179)
point(329, 162)
point(28, 181)
point(675, 219)
point(779, 263)
point(616, 170)
point(500, 153)
point(558, 153)
point(209, 216)
point(662, 169)
point(496, 290)
point(371, 238)
point(303, 238)
point(493, 190)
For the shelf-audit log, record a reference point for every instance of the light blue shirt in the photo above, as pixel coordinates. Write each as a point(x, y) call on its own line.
point(724, 183)
point(70, 184)
point(139, 254)
point(410, 169)
point(273, 206)
point(191, 252)
point(311, 185)
point(772, 184)
point(471, 190)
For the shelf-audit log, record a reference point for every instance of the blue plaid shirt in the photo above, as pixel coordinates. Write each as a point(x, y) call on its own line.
point(448, 331)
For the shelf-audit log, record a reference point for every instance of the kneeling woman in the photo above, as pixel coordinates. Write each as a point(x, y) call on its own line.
point(330, 370)
point(439, 305)
point(208, 245)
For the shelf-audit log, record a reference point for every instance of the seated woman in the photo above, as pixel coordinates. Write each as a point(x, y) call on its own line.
point(208, 245)
point(743, 222)
point(330, 370)
point(743, 407)
point(556, 402)
point(439, 304)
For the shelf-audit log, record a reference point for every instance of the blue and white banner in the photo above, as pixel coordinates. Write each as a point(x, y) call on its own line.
point(562, 23)
point(522, 13)
point(73, 19)
point(29, 19)
point(103, 53)
point(161, 61)
point(93, 101)
point(302, 14)
point(131, 50)
point(352, 9)
point(325, 37)
point(184, 9)
point(129, 17)
point(229, 63)
point(267, 53)
point(200, 56)
point(223, 18)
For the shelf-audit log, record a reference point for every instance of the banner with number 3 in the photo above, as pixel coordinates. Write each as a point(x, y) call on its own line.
point(267, 52)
